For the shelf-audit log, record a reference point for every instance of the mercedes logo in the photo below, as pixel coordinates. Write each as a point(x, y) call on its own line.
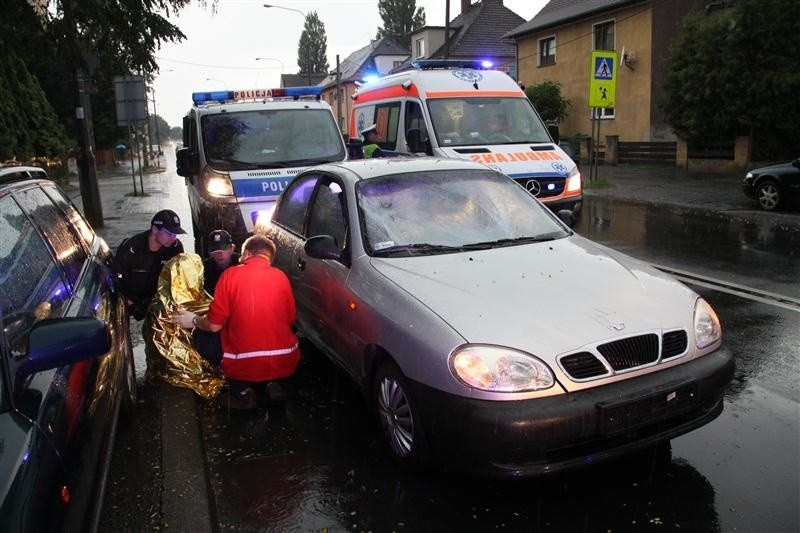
point(533, 187)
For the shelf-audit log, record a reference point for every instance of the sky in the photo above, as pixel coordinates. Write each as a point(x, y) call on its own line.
point(221, 48)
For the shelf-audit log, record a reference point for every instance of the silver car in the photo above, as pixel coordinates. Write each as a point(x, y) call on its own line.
point(483, 331)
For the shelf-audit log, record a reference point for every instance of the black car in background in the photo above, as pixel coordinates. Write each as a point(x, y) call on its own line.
point(66, 363)
point(773, 186)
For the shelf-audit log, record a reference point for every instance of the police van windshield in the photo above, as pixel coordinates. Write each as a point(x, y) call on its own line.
point(270, 138)
point(482, 121)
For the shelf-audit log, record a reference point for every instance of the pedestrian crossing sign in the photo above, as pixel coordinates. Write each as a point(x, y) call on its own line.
point(603, 79)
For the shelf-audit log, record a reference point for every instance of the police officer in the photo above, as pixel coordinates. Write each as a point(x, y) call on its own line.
point(139, 259)
point(221, 255)
point(370, 135)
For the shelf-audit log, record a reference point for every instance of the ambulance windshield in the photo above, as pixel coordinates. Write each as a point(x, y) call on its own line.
point(484, 121)
point(272, 138)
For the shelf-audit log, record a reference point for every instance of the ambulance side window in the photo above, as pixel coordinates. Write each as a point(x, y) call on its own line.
point(387, 117)
point(416, 132)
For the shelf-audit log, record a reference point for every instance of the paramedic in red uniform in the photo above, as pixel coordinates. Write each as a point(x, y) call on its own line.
point(254, 310)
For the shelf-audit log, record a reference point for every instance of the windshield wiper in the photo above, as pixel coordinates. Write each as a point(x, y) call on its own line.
point(244, 164)
point(309, 162)
point(420, 248)
point(512, 241)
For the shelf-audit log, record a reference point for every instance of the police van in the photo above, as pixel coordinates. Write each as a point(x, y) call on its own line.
point(241, 149)
point(461, 109)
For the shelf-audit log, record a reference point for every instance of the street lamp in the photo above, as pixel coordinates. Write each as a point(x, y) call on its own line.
point(268, 59)
point(225, 83)
point(308, 57)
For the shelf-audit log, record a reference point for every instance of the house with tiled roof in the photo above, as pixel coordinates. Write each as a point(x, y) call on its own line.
point(301, 80)
point(557, 44)
point(476, 33)
point(377, 58)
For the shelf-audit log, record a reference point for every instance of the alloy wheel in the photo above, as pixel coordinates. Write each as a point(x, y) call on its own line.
point(769, 196)
point(396, 417)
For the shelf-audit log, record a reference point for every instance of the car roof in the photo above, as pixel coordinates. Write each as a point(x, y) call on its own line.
point(362, 169)
point(13, 173)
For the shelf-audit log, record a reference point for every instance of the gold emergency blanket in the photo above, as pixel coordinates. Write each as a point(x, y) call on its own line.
point(170, 355)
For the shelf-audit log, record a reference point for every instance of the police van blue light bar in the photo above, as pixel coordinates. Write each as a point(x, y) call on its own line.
point(428, 64)
point(255, 94)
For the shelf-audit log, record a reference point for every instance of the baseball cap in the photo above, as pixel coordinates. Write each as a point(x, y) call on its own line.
point(219, 239)
point(168, 220)
point(368, 129)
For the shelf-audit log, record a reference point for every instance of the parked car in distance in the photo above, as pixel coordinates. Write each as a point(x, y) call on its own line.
point(66, 363)
point(773, 186)
point(484, 332)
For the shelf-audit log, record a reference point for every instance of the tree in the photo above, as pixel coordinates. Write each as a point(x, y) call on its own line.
point(312, 50)
point(737, 71)
point(400, 19)
point(546, 98)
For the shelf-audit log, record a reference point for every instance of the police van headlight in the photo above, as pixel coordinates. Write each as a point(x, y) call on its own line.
point(216, 184)
point(574, 180)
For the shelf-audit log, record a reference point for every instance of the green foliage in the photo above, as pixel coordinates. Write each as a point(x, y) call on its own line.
point(400, 18)
point(312, 50)
point(548, 101)
point(737, 71)
point(28, 125)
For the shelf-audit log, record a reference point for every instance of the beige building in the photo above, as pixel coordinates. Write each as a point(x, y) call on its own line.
point(557, 43)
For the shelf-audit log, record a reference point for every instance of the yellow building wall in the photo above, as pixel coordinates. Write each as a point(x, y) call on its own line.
point(574, 44)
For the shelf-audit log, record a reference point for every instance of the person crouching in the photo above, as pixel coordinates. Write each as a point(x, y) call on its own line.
point(253, 309)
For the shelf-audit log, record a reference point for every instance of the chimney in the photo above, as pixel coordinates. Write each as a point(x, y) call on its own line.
point(465, 4)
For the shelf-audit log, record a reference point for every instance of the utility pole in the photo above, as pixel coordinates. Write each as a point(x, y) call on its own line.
point(87, 172)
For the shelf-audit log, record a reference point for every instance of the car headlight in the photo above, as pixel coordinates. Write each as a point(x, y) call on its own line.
point(216, 183)
point(749, 175)
point(574, 180)
point(497, 369)
point(707, 329)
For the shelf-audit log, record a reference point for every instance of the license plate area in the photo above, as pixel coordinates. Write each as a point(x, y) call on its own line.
point(624, 415)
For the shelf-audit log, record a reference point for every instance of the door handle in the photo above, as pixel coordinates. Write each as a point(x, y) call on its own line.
point(301, 263)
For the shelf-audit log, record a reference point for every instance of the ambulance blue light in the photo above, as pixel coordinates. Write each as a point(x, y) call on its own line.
point(487, 64)
point(429, 64)
point(369, 78)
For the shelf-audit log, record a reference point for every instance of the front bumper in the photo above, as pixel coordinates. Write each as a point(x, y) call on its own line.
point(573, 203)
point(533, 437)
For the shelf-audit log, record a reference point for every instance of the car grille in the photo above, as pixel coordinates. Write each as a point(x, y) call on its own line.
point(543, 187)
point(623, 354)
point(673, 343)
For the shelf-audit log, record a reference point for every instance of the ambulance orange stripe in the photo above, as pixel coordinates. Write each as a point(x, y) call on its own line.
point(467, 94)
point(386, 92)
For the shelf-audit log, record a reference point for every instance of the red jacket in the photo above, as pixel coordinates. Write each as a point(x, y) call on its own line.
point(254, 304)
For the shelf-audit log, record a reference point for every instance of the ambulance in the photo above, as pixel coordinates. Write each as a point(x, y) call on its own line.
point(241, 149)
point(461, 109)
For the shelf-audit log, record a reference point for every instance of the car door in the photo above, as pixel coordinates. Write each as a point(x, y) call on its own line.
point(33, 288)
point(326, 279)
point(287, 232)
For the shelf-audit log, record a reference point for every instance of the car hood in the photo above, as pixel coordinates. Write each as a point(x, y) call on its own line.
point(781, 168)
point(544, 298)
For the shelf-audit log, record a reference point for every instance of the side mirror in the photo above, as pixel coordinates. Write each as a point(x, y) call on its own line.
point(63, 341)
point(185, 162)
point(567, 217)
point(323, 247)
point(552, 128)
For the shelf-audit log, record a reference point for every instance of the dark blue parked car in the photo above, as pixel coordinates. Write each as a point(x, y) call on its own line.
point(66, 364)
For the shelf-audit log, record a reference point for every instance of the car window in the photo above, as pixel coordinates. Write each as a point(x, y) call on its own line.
point(33, 288)
point(74, 216)
point(387, 118)
point(451, 208)
point(68, 247)
point(291, 211)
point(327, 213)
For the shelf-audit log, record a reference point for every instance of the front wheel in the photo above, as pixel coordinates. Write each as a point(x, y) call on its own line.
point(768, 195)
point(399, 419)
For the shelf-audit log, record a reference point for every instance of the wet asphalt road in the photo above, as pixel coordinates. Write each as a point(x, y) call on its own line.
point(317, 463)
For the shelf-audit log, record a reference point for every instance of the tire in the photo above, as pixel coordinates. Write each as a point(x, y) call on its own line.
point(768, 195)
point(399, 418)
